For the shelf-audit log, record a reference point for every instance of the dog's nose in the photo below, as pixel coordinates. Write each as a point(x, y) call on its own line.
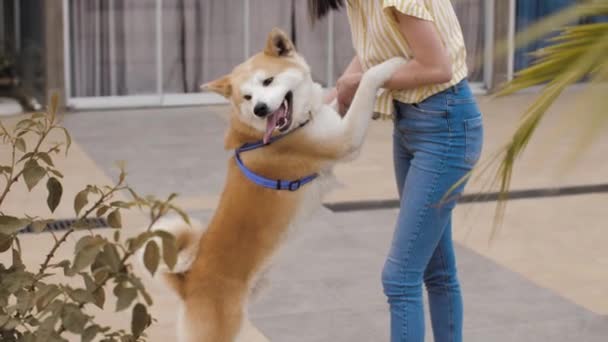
point(260, 109)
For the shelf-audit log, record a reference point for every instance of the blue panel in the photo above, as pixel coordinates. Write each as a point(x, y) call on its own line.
point(527, 13)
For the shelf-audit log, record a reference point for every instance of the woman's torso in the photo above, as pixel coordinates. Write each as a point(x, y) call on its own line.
point(376, 38)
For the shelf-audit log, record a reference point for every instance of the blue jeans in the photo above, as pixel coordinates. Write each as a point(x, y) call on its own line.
point(436, 143)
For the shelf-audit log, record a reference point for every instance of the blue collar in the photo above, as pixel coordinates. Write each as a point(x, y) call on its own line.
point(275, 184)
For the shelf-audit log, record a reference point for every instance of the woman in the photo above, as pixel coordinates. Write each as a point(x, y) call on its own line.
point(437, 139)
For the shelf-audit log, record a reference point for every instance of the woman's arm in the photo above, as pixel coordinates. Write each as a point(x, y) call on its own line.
point(353, 68)
point(430, 63)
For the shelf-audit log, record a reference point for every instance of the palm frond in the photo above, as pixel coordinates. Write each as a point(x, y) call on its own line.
point(578, 52)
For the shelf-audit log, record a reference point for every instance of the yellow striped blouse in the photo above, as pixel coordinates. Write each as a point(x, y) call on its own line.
point(376, 38)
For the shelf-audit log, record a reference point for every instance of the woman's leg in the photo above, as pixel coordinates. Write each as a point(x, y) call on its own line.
point(442, 153)
point(445, 298)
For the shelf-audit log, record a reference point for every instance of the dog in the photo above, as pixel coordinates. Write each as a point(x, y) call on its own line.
point(275, 101)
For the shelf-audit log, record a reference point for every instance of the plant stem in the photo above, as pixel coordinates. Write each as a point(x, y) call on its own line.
point(13, 180)
point(63, 238)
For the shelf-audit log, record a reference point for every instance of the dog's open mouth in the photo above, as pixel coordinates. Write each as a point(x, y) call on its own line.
point(280, 119)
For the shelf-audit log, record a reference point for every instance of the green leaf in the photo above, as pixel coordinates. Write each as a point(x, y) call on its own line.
point(32, 173)
point(10, 225)
point(26, 156)
point(3, 319)
point(68, 139)
point(6, 241)
point(90, 332)
point(80, 296)
point(169, 248)
point(100, 297)
point(114, 219)
point(136, 242)
point(151, 256)
point(55, 172)
point(38, 115)
point(86, 253)
point(47, 327)
point(125, 295)
point(17, 258)
point(45, 158)
point(20, 144)
point(25, 301)
point(25, 123)
point(5, 169)
point(45, 295)
point(101, 211)
point(53, 107)
point(120, 204)
point(109, 256)
point(181, 213)
point(55, 191)
point(81, 200)
point(140, 319)
point(40, 225)
point(73, 319)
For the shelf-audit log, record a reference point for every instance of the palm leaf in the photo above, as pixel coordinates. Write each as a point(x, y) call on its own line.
point(577, 52)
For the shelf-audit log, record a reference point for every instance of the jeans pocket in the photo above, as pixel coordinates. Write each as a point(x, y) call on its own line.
point(473, 129)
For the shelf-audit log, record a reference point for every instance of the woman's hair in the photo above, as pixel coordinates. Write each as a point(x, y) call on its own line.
point(319, 8)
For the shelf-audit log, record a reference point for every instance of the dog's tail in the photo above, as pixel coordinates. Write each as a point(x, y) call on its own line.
point(187, 237)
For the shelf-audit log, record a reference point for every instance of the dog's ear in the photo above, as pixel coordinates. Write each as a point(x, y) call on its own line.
point(221, 86)
point(278, 44)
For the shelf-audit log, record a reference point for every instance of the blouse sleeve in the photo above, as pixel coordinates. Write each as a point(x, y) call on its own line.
point(408, 7)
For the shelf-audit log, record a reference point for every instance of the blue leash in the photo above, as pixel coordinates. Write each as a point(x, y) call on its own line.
point(275, 184)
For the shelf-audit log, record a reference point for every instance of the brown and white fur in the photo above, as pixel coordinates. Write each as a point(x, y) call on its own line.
point(218, 267)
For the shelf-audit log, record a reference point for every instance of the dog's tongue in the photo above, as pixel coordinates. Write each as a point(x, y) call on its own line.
point(271, 123)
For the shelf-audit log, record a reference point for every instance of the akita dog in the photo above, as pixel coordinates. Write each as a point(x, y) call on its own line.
point(286, 142)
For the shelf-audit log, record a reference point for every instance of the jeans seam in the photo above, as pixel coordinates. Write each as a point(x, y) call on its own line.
point(445, 289)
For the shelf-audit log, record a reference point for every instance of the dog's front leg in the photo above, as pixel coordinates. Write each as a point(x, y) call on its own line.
point(341, 136)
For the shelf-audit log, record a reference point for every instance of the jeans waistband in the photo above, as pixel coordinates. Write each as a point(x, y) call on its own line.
point(457, 87)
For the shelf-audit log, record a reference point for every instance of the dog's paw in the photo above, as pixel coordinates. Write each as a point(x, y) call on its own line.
point(382, 72)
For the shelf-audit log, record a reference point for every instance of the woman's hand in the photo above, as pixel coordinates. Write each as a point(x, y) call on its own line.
point(346, 87)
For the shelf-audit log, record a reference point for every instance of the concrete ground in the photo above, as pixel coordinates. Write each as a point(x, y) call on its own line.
point(541, 278)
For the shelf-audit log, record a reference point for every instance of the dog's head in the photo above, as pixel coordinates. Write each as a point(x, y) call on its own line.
point(271, 91)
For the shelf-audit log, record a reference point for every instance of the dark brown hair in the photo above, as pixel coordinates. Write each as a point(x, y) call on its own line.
point(319, 8)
